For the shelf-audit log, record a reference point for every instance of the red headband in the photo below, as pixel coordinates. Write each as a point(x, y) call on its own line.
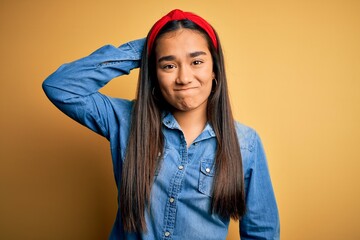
point(180, 15)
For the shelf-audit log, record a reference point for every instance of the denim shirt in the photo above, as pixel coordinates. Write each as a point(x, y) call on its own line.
point(180, 201)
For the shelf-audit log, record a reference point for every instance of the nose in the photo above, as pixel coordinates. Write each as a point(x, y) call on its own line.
point(184, 75)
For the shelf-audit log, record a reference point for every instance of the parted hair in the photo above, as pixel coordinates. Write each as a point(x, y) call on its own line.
point(146, 140)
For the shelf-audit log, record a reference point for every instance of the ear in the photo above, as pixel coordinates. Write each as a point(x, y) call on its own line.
point(213, 75)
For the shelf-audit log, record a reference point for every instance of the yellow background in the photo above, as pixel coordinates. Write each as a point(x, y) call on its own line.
point(294, 76)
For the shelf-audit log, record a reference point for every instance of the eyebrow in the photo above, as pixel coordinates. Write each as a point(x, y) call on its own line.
point(172, 57)
point(166, 58)
point(196, 54)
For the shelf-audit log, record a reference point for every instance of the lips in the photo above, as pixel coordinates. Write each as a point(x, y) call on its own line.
point(183, 89)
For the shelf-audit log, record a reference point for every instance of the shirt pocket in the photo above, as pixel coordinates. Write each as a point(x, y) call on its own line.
point(206, 179)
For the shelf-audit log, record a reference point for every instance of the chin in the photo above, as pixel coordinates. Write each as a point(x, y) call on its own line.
point(188, 108)
point(183, 109)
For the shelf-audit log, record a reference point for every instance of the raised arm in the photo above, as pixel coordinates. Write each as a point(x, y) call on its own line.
point(73, 88)
point(261, 220)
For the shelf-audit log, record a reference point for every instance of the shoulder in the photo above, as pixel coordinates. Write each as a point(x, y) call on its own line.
point(247, 136)
point(252, 151)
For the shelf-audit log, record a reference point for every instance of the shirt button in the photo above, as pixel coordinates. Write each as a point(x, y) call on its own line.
point(171, 200)
point(167, 234)
point(181, 167)
point(207, 170)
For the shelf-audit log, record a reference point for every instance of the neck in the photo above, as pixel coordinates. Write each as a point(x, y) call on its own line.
point(191, 122)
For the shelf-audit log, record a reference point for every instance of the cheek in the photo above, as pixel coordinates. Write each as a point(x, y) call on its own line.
point(165, 81)
point(161, 81)
point(164, 87)
point(208, 89)
point(208, 81)
point(164, 91)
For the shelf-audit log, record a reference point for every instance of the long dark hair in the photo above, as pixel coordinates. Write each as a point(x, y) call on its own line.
point(146, 140)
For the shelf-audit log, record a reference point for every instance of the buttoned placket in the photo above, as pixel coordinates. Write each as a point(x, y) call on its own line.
point(175, 186)
point(174, 190)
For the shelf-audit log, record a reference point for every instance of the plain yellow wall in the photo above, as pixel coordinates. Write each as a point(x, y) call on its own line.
point(294, 75)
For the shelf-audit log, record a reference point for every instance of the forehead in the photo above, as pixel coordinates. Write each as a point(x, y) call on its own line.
point(181, 41)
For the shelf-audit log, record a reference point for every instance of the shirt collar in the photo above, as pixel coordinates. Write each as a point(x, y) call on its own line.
point(170, 122)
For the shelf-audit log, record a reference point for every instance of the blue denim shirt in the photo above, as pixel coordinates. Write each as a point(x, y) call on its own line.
point(182, 190)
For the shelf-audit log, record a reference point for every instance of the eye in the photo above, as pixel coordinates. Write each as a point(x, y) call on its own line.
point(168, 66)
point(197, 62)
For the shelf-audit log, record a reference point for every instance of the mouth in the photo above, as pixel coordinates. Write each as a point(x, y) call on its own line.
point(183, 89)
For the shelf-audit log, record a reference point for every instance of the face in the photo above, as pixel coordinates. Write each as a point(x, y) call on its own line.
point(184, 69)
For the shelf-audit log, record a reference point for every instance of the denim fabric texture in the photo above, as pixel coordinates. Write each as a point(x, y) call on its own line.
point(182, 189)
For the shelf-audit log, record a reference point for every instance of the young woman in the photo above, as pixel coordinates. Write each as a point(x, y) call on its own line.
point(183, 166)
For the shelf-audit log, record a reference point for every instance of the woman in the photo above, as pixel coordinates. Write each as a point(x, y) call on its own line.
point(183, 166)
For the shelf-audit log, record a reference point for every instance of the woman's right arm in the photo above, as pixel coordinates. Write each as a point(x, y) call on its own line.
point(73, 88)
